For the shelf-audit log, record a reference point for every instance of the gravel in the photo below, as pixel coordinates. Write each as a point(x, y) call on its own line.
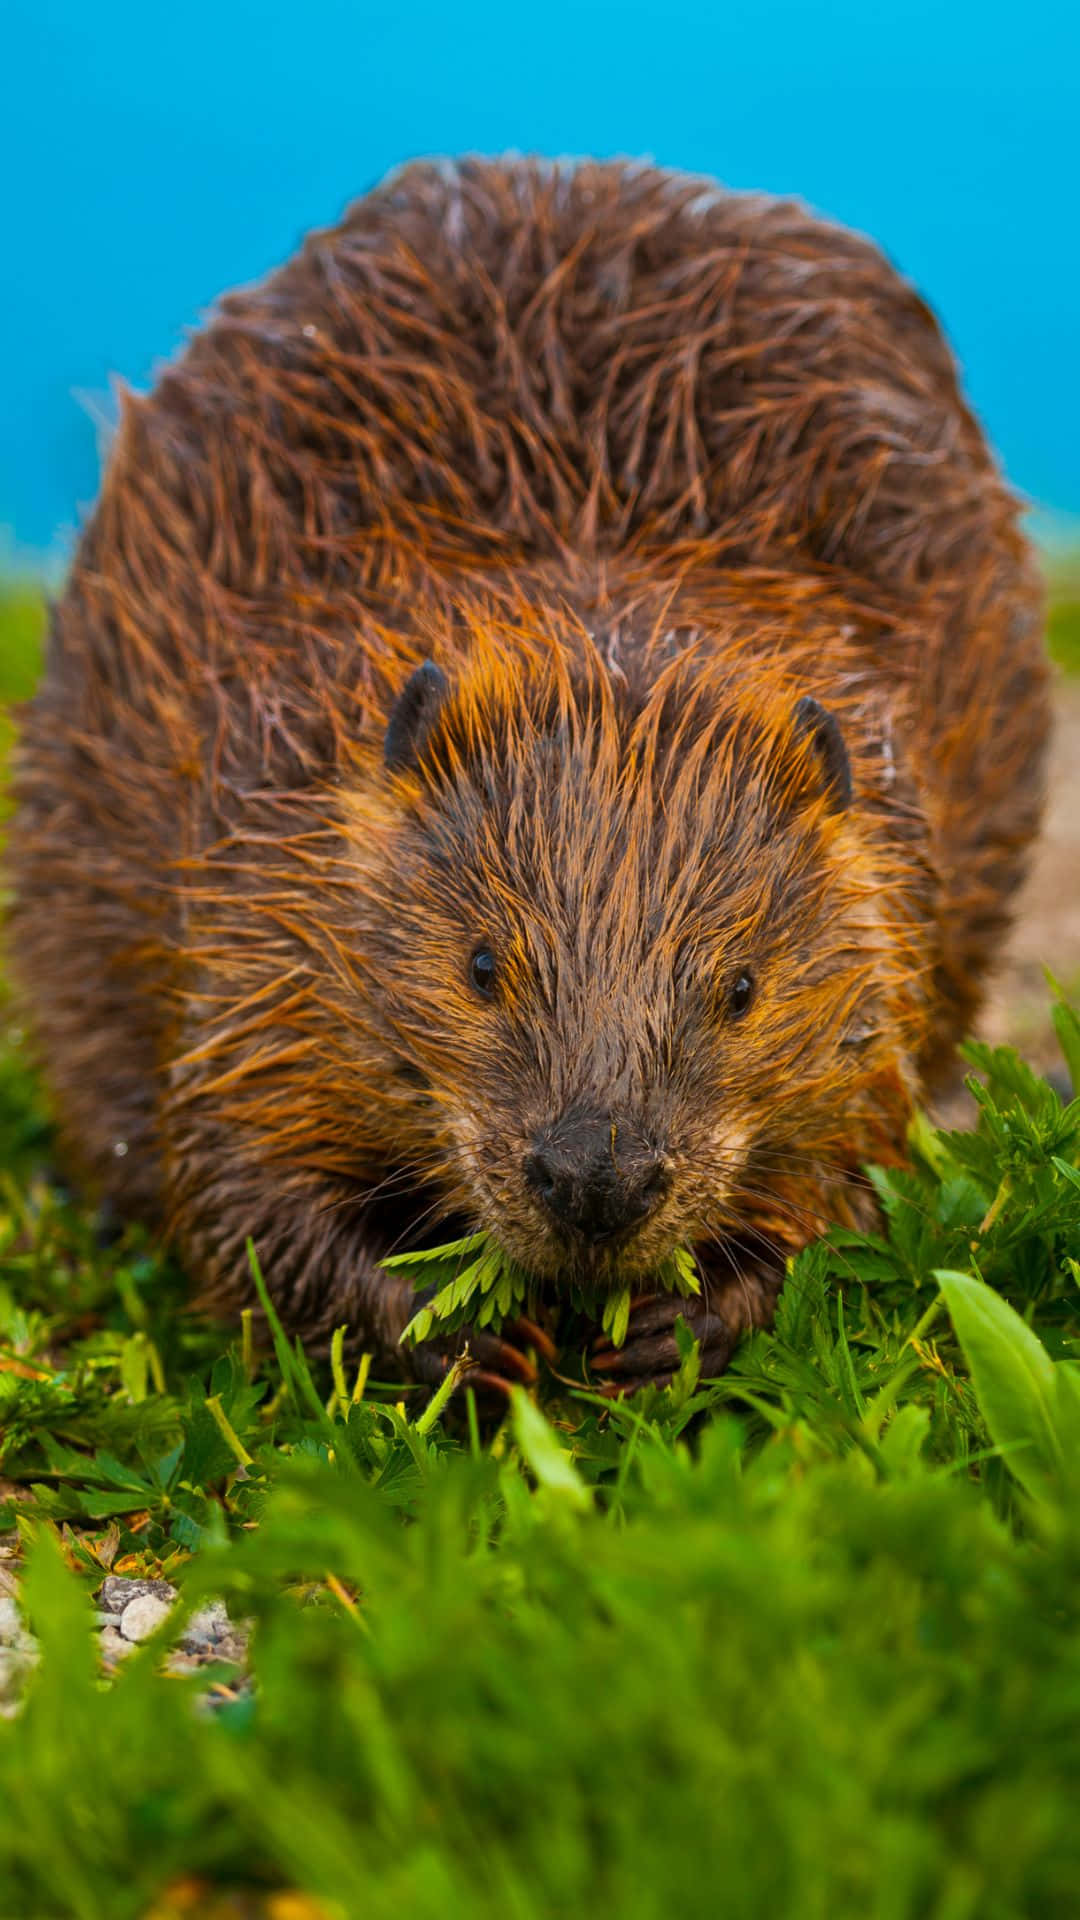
point(17, 1655)
point(128, 1612)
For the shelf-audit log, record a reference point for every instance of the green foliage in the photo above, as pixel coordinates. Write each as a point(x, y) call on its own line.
point(22, 627)
point(1029, 1403)
point(1063, 626)
point(476, 1284)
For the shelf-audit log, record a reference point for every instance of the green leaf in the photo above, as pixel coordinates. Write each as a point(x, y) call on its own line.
point(452, 1250)
point(1066, 1407)
point(802, 1302)
point(116, 1474)
point(419, 1327)
point(685, 1382)
point(134, 1367)
point(282, 1349)
point(679, 1273)
point(61, 1616)
point(1013, 1378)
point(549, 1464)
point(1067, 1028)
point(616, 1316)
point(902, 1443)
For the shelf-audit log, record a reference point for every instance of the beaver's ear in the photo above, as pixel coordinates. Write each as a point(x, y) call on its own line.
point(822, 728)
point(413, 715)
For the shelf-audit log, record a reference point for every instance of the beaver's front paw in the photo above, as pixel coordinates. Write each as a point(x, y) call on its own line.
point(500, 1361)
point(649, 1356)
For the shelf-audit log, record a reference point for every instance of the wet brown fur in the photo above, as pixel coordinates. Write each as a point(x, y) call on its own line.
point(640, 463)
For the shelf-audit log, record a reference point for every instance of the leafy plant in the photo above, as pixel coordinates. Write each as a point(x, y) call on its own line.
point(1031, 1404)
point(477, 1284)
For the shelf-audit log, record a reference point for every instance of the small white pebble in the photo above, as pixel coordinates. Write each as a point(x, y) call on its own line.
point(142, 1615)
point(112, 1646)
point(209, 1623)
point(120, 1147)
point(309, 331)
point(13, 1669)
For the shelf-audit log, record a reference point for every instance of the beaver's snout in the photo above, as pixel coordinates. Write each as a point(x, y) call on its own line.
point(596, 1176)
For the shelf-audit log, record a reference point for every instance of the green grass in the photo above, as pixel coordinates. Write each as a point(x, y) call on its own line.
point(802, 1643)
point(1063, 633)
point(22, 625)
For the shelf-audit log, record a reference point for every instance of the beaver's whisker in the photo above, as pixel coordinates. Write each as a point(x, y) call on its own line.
point(400, 1180)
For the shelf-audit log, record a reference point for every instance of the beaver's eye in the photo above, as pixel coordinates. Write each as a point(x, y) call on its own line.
point(740, 994)
point(482, 971)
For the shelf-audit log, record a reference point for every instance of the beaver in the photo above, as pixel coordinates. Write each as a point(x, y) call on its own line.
point(541, 735)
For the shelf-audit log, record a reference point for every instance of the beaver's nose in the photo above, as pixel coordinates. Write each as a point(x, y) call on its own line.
point(595, 1177)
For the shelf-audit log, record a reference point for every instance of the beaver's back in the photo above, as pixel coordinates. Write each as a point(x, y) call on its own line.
point(493, 372)
point(489, 361)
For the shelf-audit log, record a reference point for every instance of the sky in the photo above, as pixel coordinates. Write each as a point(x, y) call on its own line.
point(154, 156)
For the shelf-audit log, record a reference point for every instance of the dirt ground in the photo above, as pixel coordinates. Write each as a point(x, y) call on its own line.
point(1046, 932)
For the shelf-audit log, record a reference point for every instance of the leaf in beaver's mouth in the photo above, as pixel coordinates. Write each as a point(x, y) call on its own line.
point(476, 1284)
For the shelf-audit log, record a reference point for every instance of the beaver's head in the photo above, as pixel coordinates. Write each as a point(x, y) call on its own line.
point(631, 958)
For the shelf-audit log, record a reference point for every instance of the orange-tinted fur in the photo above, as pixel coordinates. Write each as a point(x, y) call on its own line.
point(640, 464)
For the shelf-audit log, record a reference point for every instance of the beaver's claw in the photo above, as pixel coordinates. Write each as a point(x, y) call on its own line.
point(500, 1361)
point(649, 1356)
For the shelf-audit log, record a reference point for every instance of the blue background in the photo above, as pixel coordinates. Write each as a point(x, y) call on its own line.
point(153, 156)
